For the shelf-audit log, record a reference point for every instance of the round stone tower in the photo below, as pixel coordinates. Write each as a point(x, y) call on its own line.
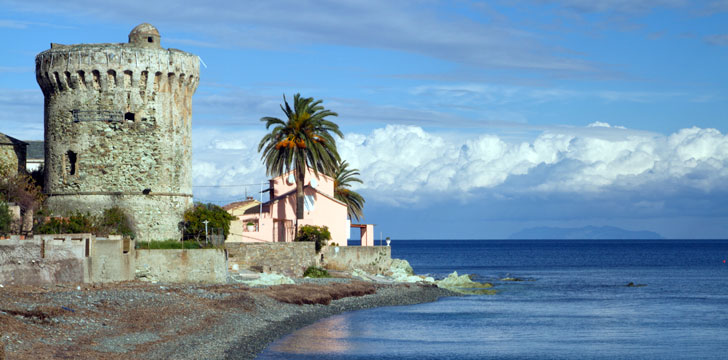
point(117, 129)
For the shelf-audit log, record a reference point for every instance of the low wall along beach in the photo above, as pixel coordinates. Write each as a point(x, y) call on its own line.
point(182, 266)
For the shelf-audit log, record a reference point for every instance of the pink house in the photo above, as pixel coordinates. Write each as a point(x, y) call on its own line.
point(274, 220)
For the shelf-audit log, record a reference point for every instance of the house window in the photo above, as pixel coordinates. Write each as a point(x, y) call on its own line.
point(129, 116)
point(308, 202)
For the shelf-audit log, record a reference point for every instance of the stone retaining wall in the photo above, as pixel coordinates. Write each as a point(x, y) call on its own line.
point(291, 258)
point(372, 259)
point(177, 265)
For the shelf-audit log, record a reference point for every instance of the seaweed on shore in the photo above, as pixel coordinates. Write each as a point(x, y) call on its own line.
point(318, 294)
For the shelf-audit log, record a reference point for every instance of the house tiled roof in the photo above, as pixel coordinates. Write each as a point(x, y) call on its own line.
point(237, 204)
point(256, 209)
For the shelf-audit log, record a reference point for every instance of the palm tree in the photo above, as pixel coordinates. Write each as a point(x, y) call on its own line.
point(304, 140)
point(343, 177)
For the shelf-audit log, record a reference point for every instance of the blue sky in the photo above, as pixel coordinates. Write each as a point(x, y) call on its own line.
point(467, 119)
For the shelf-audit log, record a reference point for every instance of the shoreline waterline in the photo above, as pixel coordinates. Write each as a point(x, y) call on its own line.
point(252, 344)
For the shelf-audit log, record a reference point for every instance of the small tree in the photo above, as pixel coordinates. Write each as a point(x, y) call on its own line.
point(6, 218)
point(318, 234)
point(21, 189)
point(194, 217)
point(114, 221)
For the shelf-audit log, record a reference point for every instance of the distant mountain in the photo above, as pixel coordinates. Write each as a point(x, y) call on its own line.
point(585, 233)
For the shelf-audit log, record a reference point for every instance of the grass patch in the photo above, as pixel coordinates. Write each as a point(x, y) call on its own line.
point(316, 272)
point(169, 244)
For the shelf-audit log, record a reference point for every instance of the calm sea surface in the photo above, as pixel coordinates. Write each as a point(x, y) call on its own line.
point(574, 305)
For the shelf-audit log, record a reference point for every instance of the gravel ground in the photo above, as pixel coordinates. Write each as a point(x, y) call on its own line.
point(160, 321)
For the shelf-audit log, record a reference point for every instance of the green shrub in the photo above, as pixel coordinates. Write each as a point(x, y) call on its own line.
point(316, 272)
point(113, 221)
point(318, 234)
point(217, 217)
point(77, 223)
point(6, 218)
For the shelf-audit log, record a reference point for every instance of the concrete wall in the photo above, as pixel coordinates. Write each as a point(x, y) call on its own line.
point(112, 259)
point(117, 123)
point(284, 258)
point(65, 258)
point(176, 265)
point(42, 262)
point(372, 259)
point(83, 258)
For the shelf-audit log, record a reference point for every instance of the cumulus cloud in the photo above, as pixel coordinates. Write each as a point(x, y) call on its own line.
point(226, 165)
point(403, 164)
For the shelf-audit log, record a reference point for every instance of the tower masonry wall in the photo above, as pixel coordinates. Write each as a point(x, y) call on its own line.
point(117, 131)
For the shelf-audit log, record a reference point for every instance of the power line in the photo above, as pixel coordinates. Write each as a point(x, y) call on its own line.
point(220, 186)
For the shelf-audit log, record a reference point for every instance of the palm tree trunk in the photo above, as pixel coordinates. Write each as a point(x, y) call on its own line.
point(300, 177)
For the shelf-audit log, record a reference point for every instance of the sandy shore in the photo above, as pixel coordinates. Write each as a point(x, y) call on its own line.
point(160, 321)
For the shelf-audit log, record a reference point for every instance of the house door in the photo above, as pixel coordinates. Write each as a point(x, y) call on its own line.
point(281, 225)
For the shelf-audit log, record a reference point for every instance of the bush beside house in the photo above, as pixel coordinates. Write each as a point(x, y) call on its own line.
point(318, 234)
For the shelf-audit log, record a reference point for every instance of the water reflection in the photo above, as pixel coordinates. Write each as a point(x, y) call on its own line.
point(326, 336)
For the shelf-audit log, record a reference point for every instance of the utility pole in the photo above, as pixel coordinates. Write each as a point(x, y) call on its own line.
point(205, 222)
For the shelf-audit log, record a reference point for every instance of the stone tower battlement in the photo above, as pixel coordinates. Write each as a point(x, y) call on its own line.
point(117, 129)
point(109, 67)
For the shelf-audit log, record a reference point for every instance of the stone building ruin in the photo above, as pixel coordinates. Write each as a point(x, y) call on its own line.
point(12, 154)
point(117, 129)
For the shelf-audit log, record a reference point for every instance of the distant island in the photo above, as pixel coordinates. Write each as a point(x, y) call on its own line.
point(585, 233)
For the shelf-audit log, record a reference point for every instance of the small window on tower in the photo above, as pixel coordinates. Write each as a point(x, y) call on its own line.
point(129, 116)
point(150, 39)
point(72, 162)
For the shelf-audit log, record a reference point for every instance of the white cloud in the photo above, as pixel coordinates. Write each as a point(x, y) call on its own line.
point(402, 164)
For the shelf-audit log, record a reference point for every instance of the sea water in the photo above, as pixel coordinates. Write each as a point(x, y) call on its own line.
point(573, 303)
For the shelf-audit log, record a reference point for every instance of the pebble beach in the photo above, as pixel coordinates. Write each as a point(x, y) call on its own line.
point(182, 321)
